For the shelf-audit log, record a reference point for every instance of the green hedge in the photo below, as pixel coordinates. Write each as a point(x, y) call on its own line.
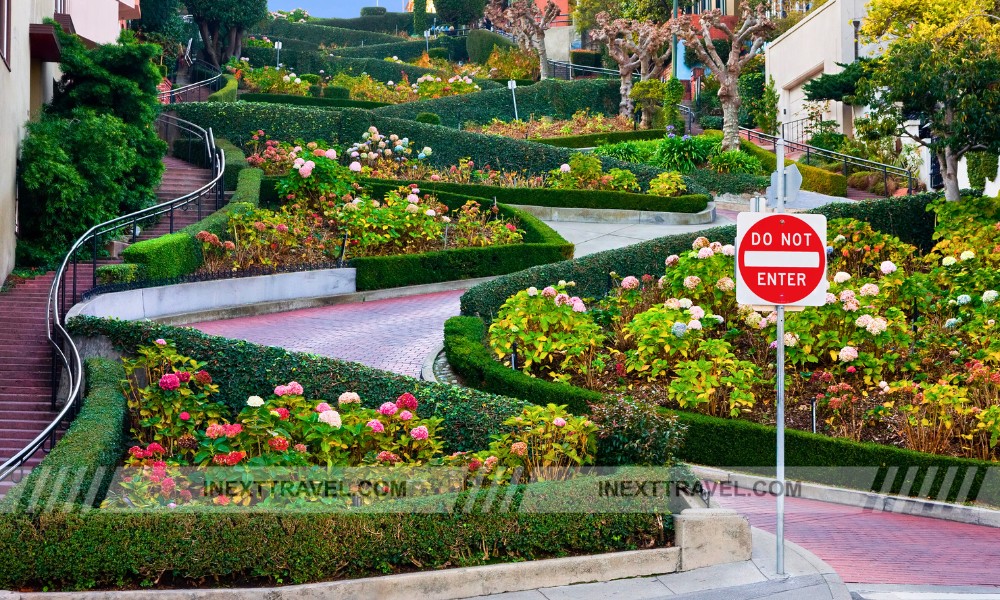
point(228, 91)
point(402, 50)
point(586, 58)
point(333, 92)
point(592, 140)
point(312, 62)
point(310, 101)
point(283, 30)
point(236, 162)
point(714, 441)
point(728, 183)
point(904, 217)
point(392, 23)
point(550, 98)
point(813, 179)
point(94, 443)
point(237, 121)
point(480, 44)
point(117, 273)
point(569, 198)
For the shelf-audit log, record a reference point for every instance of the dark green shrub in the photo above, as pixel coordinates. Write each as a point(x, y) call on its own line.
point(228, 91)
point(454, 46)
point(828, 140)
point(735, 162)
point(388, 23)
point(315, 35)
point(236, 161)
point(311, 78)
point(165, 257)
point(332, 103)
point(813, 179)
point(439, 53)
point(316, 91)
point(403, 50)
point(428, 118)
point(593, 140)
point(122, 273)
point(459, 12)
point(585, 58)
point(332, 91)
point(373, 11)
point(628, 151)
point(729, 183)
point(982, 167)
point(550, 98)
point(480, 44)
point(635, 433)
point(710, 122)
point(89, 451)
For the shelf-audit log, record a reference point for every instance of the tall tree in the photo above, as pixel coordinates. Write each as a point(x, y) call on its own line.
point(157, 15)
point(527, 23)
point(753, 31)
point(223, 23)
point(459, 12)
point(636, 46)
point(419, 17)
point(940, 66)
point(585, 12)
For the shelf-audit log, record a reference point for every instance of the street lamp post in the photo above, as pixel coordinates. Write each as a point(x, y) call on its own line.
point(277, 59)
point(427, 40)
point(673, 49)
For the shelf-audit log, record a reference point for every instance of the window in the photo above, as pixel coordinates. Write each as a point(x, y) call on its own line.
point(5, 19)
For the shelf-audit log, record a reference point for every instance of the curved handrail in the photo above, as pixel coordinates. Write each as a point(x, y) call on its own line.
point(66, 354)
point(171, 96)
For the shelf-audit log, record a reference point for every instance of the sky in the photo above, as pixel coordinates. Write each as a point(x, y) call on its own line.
point(334, 8)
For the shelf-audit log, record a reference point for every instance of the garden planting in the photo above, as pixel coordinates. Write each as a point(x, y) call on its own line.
point(903, 353)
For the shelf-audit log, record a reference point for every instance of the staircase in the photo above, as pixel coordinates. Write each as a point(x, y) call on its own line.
point(25, 354)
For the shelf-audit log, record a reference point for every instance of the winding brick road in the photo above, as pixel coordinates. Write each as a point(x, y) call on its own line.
point(395, 335)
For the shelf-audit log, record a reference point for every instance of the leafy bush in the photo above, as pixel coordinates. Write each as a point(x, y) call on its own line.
point(982, 168)
point(228, 91)
point(634, 433)
point(480, 44)
point(735, 161)
point(607, 143)
point(828, 140)
point(122, 273)
point(388, 23)
point(438, 53)
point(302, 61)
point(165, 257)
point(710, 122)
point(337, 93)
point(667, 184)
point(681, 153)
point(728, 183)
point(428, 118)
point(373, 11)
point(284, 29)
point(403, 50)
point(513, 63)
point(813, 179)
point(585, 172)
point(585, 58)
point(630, 151)
point(309, 101)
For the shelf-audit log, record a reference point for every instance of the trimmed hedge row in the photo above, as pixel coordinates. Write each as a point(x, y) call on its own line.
point(94, 442)
point(333, 103)
point(592, 140)
point(904, 217)
point(236, 162)
point(714, 441)
point(391, 23)
point(568, 198)
point(311, 61)
point(237, 121)
point(402, 50)
point(550, 98)
point(228, 91)
point(320, 34)
point(480, 44)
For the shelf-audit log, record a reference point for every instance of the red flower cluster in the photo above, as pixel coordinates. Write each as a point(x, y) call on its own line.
point(281, 412)
point(387, 457)
point(217, 430)
point(203, 377)
point(152, 449)
point(229, 460)
point(184, 376)
point(278, 443)
point(407, 402)
point(170, 382)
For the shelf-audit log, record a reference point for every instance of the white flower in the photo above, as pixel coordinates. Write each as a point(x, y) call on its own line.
point(967, 255)
point(990, 296)
point(349, 398)
point(255, 401)
point(430, 212)
point(532, 291)
point(445, 220)
point(729, 250)
point(791, 340)
point(830, 298)
point(297, 80)
point(841, 277)
point(948, 261)
point(694, 324)
point(684, 303)
point(390, 84)
point(877, 326)
point(964, 299)
point(869, 289)
point(887, 267)
point(839, 239)
point(331, 418)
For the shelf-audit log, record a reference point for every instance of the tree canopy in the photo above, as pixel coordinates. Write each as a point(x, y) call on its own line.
point(459, 12)
point(223, 24)
point(841, 87)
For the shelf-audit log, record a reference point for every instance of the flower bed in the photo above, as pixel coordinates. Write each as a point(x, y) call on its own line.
point(581, 123)
point(902, 353)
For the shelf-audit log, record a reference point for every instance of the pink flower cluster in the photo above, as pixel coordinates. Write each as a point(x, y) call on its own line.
point(630, 283)
point(419, 433)
point(150, 451)
point(388, 409)
point(217, 430)
point(407, 401)
point(170, 382)
point(375, 425)
point(293, 388)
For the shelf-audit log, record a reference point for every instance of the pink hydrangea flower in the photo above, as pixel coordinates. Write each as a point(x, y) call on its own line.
point(830, 298)
point(725, 284)
point(630, 283)
point(579, 306)
point(519, 448)
point(562, 299)
point(323, 407)
point(559, 422)
point(549, 292)
point(349, 398)
point(331, 154)
point(696, 312)
point(847, 354)
point(692, 281)
point(169, 382)
point(388, 409)
point(161, 342)
point(331, 418)
point(705, 253)
point(564, 168)
point(375, 425)
point(729, 250)
point(407, 401)
point(694, 324)
point(355, 166)
point(405, 415)
point(887, 267)
point(700, 242)
point(185, 416)
point(869, 289)
point(419, 433)
point(672, 260)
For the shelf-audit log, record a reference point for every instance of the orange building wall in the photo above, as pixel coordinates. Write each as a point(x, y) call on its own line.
point(563, 5)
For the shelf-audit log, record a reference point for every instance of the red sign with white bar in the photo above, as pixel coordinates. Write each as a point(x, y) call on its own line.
point(781, 259)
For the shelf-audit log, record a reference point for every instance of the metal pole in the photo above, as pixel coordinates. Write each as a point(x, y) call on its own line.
point(673, 48)
point(780, 417)
point(779, 148)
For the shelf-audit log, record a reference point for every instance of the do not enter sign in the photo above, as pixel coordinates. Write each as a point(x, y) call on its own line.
point(781, 259)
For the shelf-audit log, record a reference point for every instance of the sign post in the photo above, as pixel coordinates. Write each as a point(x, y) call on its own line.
point(780, 261)
point(277, 55)
point(512, 86)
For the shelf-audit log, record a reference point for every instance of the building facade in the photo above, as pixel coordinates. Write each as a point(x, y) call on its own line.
point(29, 67)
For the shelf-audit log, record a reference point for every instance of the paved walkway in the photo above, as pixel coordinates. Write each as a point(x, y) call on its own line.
point(596, 237)
point(395, 335)
point(865, 546)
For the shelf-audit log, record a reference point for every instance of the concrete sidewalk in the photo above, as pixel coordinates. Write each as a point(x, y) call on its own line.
point(808, 578)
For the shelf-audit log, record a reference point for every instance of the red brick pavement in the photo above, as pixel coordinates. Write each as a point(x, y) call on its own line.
point(394, 335)
point(866, 546)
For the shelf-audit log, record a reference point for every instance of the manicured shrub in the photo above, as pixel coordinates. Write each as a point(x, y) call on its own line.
point(236, 161)
point(373, 11)
point(121, 273)
point(982, 168)
point(550, 98)
point(585, 58)
point(312, 61)
point(165, 257)
point(228, 91)
point(710, 122)
point(438, 53)
point(735, 162)
point(480, 44)
point(392, 23)
point(315, 35)
point(593, 140)
point(402, 50)
point(331, 103)
point(335, 92)
point(728, 183)
point(90, 449)
point(428, 118)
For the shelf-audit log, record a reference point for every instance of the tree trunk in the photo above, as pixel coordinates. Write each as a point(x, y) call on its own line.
point(647, 115)
point(730, 99)
point(949, 174)
point(543, 56)
point(230, 45)
point(626, 107)
point(211, 42)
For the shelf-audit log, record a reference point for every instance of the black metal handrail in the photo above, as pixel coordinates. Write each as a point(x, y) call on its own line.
point(797, 130)
point(566, 70)
point(181, 94)
point(66, 356)
point(846, 160)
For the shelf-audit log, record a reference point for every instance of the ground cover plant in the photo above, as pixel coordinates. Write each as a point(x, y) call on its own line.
point(903, 353)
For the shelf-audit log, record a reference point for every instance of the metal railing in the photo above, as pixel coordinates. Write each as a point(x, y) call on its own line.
point(564, 70)
point(797, 130)
point(193, 91)
point(66, 356)
point(847, 161)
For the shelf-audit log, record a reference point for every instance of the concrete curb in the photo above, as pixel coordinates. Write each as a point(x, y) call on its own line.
point(427, 369)
point(864, 499)
point(265, 308)
point(765, 548)
point(625, 217)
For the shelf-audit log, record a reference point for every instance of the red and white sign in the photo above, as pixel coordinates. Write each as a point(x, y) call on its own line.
point(781, 259)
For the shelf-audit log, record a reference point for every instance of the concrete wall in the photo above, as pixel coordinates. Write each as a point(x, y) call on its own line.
point(23, 88)
point(558, 41)
point(814, 46)
point(202, 296)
